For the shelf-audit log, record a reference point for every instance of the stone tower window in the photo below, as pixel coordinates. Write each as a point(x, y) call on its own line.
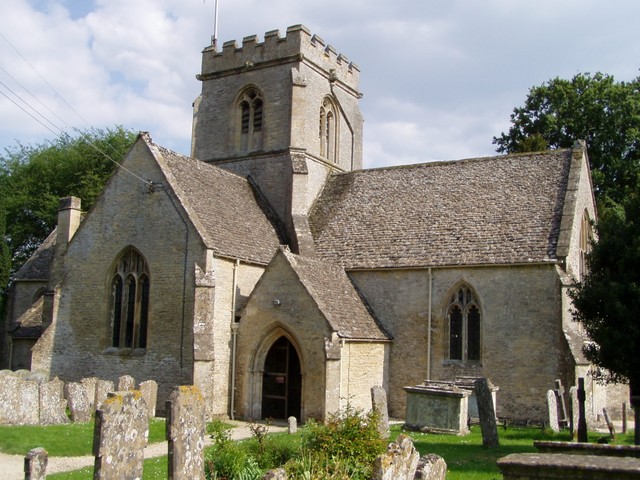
point(249, 120)
point(129, 301)
point(586, 237)
point(463, 314)
point(328, 130)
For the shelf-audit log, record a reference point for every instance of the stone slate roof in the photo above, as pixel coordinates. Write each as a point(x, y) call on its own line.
point(337, 298)
point(223, 206)
point(29, 324)
point(495, 210)
point(38, 266)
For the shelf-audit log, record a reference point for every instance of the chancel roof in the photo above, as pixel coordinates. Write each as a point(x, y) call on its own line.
point(497, 210)
point(336, 297)
point(232, 219)
point(38, 266)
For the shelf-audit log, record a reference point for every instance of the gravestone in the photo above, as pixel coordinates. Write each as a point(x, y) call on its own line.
point(563, 416)
point(149, 390)
point(276, 474)
point(431, 467)
point(400, 462)
point(486, 412)
point(120, 435)
point(293, 425)
point(573, 419)
point(35, 464)
point(610, 426)
point(19, 401)
point(89, 385)
point(79, 404)
point(103, 388)
point(582, 418)
point(185, 433)
point(379, 404)
point(126, 382)
point(552, 408)
point(53, 406)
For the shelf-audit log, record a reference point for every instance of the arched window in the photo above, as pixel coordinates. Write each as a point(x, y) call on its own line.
point(249, 120)
point(463, 315)
point(586, 237)
point(129, 301)
point(328, 130)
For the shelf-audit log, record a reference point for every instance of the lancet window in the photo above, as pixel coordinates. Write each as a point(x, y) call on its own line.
point(328, 130)
point(250, 120)
point(130, 288)
point(463, 315)
point(586, 237)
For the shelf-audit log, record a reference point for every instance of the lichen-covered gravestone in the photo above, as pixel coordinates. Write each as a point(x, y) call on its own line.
point(53, 405)
point(399, 463)
point(149, 390)
point(185, 433)
point(126, 382)
point(19, 401)
point(89, 385)
point(120, 435)
point(79, 404)
point(103, 388)
point(35, 464)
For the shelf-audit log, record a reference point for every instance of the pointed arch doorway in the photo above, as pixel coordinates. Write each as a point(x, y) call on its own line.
point(281, 381)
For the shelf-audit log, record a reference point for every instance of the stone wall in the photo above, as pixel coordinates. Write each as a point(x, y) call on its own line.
point(520, 319)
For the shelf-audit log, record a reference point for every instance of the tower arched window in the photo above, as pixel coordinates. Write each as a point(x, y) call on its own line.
point(129, 314)
point(463, 315)
point(250, 120)
point(328, 130)
point(586, 237)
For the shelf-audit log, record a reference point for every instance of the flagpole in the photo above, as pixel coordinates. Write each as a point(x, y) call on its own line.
point(214, 38)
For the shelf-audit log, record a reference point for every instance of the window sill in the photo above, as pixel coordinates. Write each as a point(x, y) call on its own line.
point(462, 363)
point(125, 352)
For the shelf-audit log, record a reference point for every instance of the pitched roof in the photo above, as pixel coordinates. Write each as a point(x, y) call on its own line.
point(495, 210)
point(38, 266)
point(232, 220)
point(336, 297)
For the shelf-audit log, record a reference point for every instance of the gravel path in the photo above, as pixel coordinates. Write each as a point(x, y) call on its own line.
point(12, 466)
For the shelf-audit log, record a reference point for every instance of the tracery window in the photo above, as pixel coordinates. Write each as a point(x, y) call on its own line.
point(130, 301)
point(463, 314)
point(250, 120)
point(586, 237)
point(328, 130)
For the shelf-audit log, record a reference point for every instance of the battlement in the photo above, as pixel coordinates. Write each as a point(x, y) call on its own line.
point(298, 45)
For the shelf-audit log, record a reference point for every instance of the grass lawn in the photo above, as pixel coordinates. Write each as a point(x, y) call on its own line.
point(70, 440)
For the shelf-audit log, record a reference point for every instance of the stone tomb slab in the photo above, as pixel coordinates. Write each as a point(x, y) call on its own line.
point(437, 408)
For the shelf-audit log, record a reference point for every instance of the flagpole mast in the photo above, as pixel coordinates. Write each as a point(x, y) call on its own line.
point(214, 38)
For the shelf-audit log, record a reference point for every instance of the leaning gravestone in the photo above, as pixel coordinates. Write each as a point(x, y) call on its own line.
point(79, 404)
point(379, 404)
point(185, 433)
point(35, 464)
point(120, 435)
point(53, 406)
point(486, 412)
point(399, 463)
point(126, 382)
point(552, 408)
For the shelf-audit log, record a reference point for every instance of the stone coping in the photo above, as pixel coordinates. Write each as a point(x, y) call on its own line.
point(577, 448)
point(444, 390)
point(560, 465)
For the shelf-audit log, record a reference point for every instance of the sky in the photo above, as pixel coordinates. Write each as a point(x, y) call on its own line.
point(439, 78)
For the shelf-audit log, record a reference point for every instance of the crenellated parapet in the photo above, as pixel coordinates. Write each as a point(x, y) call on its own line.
point(298, 45)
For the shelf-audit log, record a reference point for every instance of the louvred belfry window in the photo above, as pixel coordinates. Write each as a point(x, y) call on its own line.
point(250, 120)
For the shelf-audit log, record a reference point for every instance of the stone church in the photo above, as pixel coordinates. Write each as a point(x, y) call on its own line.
point(281, 278)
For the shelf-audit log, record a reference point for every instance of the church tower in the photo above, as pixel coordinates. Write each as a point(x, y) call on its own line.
point(283, 113)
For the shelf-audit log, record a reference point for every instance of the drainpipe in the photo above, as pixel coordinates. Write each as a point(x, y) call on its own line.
point(429, 326)
point(234, 340)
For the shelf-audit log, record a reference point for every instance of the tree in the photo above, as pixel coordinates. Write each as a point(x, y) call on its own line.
point(607, 301)
point(34, 178)
point(594, 108)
